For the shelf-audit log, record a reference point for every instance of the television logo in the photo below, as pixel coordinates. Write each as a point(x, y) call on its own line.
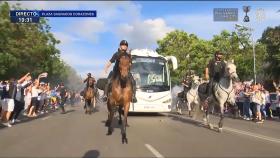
point(225, 14)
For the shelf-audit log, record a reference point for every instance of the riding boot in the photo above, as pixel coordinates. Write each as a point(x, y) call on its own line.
point(209, 88)
point(134, 99)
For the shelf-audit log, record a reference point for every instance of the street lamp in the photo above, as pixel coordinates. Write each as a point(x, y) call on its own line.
point(253, 44)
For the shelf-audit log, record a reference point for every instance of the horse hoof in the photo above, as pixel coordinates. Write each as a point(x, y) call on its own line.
point(124, 141)
point(109, 133)
point(220, 130)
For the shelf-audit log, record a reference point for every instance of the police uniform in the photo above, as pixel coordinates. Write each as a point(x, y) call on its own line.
point(116, 59)
point(216, 70)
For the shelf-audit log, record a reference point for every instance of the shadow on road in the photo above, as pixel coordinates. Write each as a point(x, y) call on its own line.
point(139, 114)
point(192, 122)
point(25, 119)
point(92, 154)
point(69, 111)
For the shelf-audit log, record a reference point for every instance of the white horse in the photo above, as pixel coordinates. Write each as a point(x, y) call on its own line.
point(222, 92)
point(192, 95)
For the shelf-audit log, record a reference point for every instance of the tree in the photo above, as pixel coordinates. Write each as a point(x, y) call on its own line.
point(29, 48)
point(190, 51)
point(235, 45)
point(271, 39)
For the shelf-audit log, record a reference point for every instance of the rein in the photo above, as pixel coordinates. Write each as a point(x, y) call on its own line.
point(228, 93)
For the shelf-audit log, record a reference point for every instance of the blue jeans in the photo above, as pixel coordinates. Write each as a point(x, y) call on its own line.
point(263, 111)
point(246, 109)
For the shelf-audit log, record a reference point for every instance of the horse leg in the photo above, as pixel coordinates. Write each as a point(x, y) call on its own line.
point(124, 138)
point(90, 107)
point(179, 106)
point(86, 107)
point(110, 119)
point(207, 117)
point(221, 118)
point(189, 108)
point(107, 121)
point(94, 103)
point(120, 115)
point(109, 108)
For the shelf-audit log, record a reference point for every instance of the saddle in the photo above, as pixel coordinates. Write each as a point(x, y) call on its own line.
point(203, 88)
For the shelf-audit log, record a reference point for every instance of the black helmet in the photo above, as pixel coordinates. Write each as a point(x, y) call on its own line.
point(89, 74)
point(124, 42)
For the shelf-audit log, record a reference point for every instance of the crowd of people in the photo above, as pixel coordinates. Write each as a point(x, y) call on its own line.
point(256, 103)
point(30, 97)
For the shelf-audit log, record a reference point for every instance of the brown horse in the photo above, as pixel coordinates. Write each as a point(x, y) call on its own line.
point(89, 97)
point(120, 96)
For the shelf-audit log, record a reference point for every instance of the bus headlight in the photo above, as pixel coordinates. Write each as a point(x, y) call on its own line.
point(167, 101)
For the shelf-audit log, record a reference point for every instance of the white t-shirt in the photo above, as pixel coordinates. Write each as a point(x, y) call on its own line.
point(35, 92)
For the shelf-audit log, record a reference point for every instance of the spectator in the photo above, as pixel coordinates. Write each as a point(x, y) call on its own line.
point(27, 99)
point(268, 104)
point(278, 102)
point(34, 99)
point(22, 83)
point(257, 100)
point(9, 93)
point(1, 93)
point(263, 110)
point(63, 97)
point(246, 103)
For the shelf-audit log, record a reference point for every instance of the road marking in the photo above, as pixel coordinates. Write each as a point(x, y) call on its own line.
point(154, 151)
point(45, 118)
point(233, 130)
point(252, 134)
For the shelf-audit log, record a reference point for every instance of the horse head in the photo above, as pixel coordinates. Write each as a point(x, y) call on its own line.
point(230, 70)
point(90, 82)
point(196, 80)
point(124, 66)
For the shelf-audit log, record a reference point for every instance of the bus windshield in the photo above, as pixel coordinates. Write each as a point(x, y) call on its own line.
point(150, 74)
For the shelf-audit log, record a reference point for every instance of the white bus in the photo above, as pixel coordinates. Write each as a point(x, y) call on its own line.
point(153, 85)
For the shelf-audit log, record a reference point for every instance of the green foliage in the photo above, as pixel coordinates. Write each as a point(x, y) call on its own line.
point(190, 51)
point(271, 39)
point(235, 45)
point(29, 48)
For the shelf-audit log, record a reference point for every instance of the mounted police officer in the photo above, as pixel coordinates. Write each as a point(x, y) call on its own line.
point(89, 77)
point(122, 51)
point(214, 70)
point(186, 82)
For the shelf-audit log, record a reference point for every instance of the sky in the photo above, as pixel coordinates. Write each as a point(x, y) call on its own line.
point(88, 43)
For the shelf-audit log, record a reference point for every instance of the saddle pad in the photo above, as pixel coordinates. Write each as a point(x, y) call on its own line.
point(203, 88)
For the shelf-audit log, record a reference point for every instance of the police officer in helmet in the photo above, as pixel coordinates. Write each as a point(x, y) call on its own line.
point(215, 70)
point(122, 50)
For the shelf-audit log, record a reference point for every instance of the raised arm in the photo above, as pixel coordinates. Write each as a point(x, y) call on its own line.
point(23, 78)
point(207, 73)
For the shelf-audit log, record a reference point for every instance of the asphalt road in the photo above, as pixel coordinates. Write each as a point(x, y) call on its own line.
point(158, 135)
